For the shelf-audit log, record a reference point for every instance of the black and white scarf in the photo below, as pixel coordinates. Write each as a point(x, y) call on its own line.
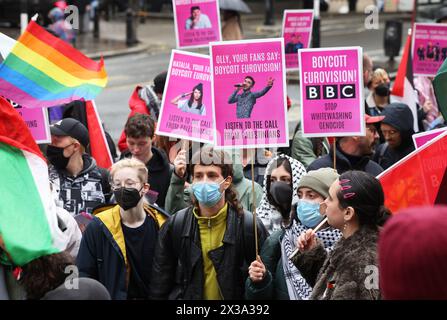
point(297, 286)
point(268, 214)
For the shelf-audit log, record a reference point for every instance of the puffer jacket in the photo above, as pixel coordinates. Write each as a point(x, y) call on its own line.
point(102, 255)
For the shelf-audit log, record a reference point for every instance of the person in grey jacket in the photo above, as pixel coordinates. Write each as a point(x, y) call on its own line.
point(355, 206)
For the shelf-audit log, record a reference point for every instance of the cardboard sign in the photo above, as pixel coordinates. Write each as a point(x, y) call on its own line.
point(197, 22)
point(331, 92)
point(186, 111)
point(249, 93)
point(296, 31)
point(429, 48)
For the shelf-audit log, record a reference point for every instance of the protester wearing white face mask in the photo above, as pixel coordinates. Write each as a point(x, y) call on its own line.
point(201, 253)
point(274, 276)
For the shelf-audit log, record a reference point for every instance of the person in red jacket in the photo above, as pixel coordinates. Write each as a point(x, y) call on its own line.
point(146, 100)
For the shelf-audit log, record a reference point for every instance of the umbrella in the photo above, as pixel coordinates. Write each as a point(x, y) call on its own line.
point(236, 5)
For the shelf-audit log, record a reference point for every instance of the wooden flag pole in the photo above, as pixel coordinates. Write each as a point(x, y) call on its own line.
point(254, 200)
point(335, 154)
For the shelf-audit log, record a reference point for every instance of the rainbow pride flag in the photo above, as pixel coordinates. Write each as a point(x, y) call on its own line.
point(44, 71)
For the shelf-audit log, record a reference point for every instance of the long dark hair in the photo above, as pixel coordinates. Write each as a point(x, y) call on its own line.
point(364, 193)
point(45, 274)
point(207, 156)
point(191, 98)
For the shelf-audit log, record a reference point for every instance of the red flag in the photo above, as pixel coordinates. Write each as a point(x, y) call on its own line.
point(403, 88)
point(99, 147)
point(418, 179)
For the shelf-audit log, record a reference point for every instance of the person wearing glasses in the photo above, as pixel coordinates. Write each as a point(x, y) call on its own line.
point(118, 246)
point(397, 129)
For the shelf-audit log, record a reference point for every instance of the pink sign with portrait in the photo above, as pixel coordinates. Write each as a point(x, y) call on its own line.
point(197, 22)
point(429, 48)
point(186, 111)
point(296, 31)
point(249, 93)
point(331, 92)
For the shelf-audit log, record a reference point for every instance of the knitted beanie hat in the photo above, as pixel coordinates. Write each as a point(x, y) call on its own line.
point(319, 180)
point(413, 254)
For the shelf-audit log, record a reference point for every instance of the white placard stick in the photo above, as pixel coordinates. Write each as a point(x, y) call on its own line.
point(315, 230)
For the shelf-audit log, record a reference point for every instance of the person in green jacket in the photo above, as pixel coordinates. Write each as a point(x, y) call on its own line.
point(273, 275)
point(178, 196)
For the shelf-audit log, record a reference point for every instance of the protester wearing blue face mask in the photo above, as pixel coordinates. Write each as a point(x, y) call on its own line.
point(274, 276)
point(202, 253)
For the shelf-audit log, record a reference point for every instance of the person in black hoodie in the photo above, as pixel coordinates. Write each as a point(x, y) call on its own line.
point(139, 132)
point(397, 128)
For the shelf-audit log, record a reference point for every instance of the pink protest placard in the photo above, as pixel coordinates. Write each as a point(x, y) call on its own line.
point(37, 121)
point(197, 22)
point(296, 31)
point(331, 92)
point(429, 48)
point(249, 93)
point(419, 139)
point(186, 111)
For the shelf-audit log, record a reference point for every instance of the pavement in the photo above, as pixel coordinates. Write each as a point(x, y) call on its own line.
point(156, 34)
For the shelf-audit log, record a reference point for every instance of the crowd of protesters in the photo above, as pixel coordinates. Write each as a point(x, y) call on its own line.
point(173, 219)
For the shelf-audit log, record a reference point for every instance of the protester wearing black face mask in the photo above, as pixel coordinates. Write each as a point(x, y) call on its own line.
point(282, 175)
point(78, 184)
point(123, 236)
point(380, 92)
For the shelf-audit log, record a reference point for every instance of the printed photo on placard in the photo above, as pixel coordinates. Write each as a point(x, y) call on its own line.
point(186, 110)
point(249, 93)
point(429, 48)
point(296, 31)
point(197, 22)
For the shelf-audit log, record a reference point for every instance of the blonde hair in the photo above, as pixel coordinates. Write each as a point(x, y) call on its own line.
point(379, 73)
point(130, 163)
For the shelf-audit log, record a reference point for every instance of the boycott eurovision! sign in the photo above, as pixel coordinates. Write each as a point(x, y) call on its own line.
point(429, 48)
point(248, 83)
point(331, 92)
point(186, 111)
point(197, 22)
point(296, 31)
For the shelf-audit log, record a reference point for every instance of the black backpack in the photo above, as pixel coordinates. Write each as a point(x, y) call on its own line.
point(248, 236)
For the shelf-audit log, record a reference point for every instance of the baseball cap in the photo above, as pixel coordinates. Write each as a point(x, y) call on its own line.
point(72, 128)
point(370, 119)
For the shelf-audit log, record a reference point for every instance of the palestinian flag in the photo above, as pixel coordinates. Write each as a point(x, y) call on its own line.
point(419, 179)
point(440, 86)
point(28, 221)
point(403, 88)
